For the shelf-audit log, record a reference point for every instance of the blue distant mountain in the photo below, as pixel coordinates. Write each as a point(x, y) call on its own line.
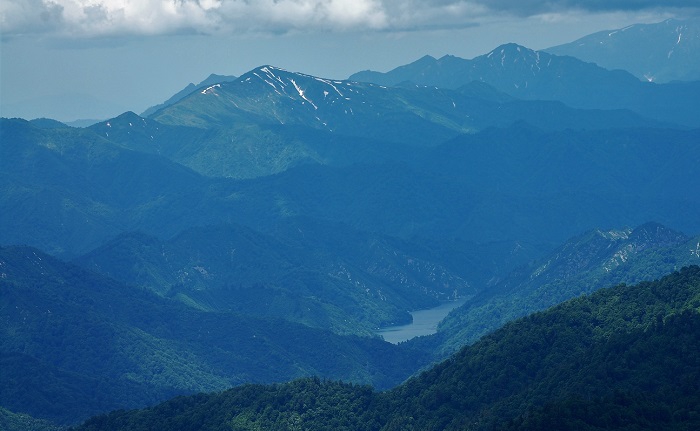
point(537, 75)
point(661, 52)
point(190, 88)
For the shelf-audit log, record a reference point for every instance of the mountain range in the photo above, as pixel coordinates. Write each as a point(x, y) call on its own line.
point(261, 228)
point(253, 132)
point(538, 75)
point(69, 190)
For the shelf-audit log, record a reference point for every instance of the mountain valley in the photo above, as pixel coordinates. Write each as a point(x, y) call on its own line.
point(585, 364)
point(225, 259)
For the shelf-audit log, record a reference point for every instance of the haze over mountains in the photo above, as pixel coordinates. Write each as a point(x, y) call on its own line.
point(537, 75)
point(662, 52)
point(261, 228)
point(210, 80)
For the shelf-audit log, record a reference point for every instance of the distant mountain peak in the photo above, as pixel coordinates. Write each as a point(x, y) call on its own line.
point(309, 90)
point(48, 123)
point(511, 46)
point(614, 234)
point(189, 89)
point(273, 95)
point(658, 52)
point(271, 70)
point(214, 78)
point(129, 115)
point(512, 53)
point(128, 118)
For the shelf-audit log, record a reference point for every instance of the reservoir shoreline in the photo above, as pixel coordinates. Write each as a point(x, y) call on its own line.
point(425, 322)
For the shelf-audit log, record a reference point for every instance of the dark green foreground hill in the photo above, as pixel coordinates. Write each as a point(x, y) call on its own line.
point(626, 357)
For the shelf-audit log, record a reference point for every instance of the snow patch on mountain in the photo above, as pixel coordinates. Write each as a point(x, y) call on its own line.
point(210, 89)
point(301, 93)
point(327, 82)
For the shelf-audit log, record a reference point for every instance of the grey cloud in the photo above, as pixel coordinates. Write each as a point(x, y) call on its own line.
point(96, 12)
point(52, 14)
point(534, 7)
point(97, 18)
point(104, 18)
point(30, 16)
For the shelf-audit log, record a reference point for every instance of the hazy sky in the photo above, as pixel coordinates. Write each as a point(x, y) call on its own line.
point(70, 59)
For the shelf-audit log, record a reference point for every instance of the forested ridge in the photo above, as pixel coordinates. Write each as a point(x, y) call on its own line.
point(625, 357)
point(580, 266)
point(74, 343)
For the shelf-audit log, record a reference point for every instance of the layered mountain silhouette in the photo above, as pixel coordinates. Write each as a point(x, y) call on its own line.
point(70, 190)
point(538, 75)
point(260, 228)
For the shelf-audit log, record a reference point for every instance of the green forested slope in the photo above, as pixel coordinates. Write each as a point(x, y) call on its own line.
point(74, 343)
point(324, 275)
point(626, 355)
point(571, 349)
point(68, 191)
point(10, 421)
point(585, 263)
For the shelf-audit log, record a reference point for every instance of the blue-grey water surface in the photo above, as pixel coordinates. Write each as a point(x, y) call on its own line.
point(424, 323)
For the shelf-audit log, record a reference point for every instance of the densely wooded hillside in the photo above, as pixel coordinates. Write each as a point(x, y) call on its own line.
point(626, 357)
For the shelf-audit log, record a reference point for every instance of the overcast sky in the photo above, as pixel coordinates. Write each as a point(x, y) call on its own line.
point(71, 59)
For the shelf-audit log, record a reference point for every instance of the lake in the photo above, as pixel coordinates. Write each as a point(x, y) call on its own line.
point(424, 323)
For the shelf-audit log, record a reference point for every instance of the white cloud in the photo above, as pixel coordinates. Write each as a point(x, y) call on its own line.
point(87, 18)
point(116, 17)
